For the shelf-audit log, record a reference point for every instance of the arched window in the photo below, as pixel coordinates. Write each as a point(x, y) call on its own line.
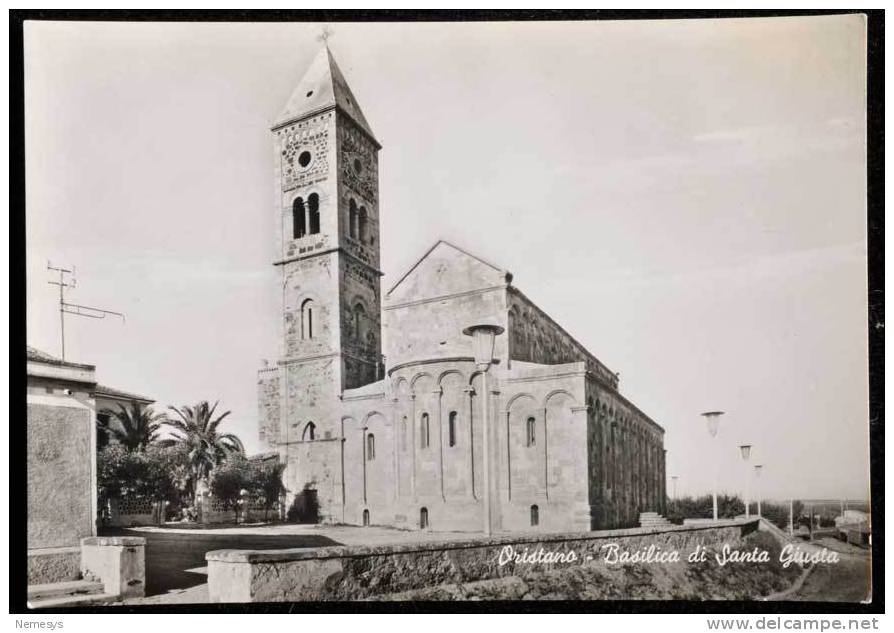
point(309, 430)
point(451, 429)
point(299, 228)
point(313, 204)
point(535, 515)
point(423, 518)
point(359, 316)
point(366, 518)
point(370, 447)
point(530, 428)
point(307, 319)
point(363, 224)
point(403, 434)
point(352, 219)
point(423, 431)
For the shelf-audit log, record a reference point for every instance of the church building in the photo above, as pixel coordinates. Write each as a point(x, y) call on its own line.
point(543, 440)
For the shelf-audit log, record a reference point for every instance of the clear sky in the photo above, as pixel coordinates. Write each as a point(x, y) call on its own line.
point(687, 198)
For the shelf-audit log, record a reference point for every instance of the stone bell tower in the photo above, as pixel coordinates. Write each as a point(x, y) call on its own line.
point(327, 218)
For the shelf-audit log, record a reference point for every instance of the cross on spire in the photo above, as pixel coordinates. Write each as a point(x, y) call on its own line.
point(324, 35)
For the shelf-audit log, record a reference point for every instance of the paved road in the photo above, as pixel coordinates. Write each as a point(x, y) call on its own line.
point(176, 560)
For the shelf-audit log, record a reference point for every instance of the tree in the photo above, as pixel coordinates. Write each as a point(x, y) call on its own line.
point(137, 427)
point(267, 485)
point(229, 479)
point(197, 431)
point(150, 474)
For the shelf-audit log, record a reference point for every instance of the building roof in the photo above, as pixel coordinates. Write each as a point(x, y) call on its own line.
point(501, 271)
point(39, 356)
point(322, 87)
point(103, 391)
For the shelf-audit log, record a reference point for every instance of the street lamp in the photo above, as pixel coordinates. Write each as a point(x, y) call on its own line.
point(674, 480)
point(746, 455)
point(713, 419)
point(483, 337)
point(757, 475)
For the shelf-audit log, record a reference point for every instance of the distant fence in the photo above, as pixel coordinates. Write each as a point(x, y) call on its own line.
point(213, 510)
point(129, 511)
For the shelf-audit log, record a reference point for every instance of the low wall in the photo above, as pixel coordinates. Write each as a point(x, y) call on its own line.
point(118, 561)
point(56, 564)
point(351, 573)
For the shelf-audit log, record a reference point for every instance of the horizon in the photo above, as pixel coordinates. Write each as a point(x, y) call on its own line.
point(705, 238)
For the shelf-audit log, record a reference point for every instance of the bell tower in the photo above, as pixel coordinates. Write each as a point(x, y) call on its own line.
point(327, 219)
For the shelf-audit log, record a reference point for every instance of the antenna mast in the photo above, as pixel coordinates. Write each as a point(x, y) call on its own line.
point(73, 308)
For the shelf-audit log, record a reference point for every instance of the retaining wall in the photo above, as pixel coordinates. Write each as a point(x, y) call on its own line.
point(355, 572)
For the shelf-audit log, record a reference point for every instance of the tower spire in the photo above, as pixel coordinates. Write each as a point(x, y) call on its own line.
point(323, 87)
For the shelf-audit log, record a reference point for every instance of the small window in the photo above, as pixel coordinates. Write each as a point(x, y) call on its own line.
point(304, 158)
point(307, 319)
point(313, 205)
point(423, 431)
point(423, 518)
point(370, 447)
point(366, 518)
point(535, 515)
point(403, 434)
point(299, 228)
point(451, 429)
point(531, 427)
point(309, 432)
point(359, 316)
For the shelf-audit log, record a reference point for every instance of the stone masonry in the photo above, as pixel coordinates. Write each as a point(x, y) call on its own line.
point(402, 444)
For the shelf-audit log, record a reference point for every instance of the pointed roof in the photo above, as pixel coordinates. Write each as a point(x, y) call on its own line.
point(499, 273)
point(323, 86)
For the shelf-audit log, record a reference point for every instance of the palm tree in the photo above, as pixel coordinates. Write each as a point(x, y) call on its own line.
point(197, 431)
point(137, 427)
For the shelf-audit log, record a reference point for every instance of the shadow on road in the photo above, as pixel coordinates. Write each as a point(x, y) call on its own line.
point(170, 556)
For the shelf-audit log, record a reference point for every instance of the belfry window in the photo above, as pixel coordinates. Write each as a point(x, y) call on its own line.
point(366, 518)
point(423, 518)
point(370, 447)
point(307, 319)
point(352, 219)
point(535, 515)
point(530, 432)
point(299, 227)
point(309, 432)
point(451, 429)
point(313, 208)
point(363, 225)
point(423, 431)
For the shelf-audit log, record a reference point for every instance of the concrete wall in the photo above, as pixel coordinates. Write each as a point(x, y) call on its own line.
point(352, 573)
point(60, 478)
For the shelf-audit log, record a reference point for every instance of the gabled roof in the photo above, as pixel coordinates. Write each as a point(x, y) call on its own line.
point(102, 391)
point(323, 86)
point(501, 271)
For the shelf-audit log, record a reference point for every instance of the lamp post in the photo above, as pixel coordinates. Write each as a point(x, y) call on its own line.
point(746, 454)
point(674, 482)
point(483, 336)
point(757, 475)
point(713, 419)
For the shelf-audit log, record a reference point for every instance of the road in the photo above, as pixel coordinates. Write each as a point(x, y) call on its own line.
point(849, 580)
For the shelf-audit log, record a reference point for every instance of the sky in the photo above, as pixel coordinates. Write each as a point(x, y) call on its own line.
point(687, 198)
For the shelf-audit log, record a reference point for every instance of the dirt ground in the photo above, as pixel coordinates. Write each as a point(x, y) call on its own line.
point(849, 580)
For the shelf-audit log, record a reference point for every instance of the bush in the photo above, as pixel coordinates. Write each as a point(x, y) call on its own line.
point(305, 508)
point(229, 479)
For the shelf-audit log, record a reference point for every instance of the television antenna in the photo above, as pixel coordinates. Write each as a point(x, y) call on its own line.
point(73, 308)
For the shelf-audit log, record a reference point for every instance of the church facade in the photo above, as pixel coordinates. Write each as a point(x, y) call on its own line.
point(402, 443)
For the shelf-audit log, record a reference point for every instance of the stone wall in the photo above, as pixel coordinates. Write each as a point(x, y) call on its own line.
point(352, 573)
point(60, 482)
